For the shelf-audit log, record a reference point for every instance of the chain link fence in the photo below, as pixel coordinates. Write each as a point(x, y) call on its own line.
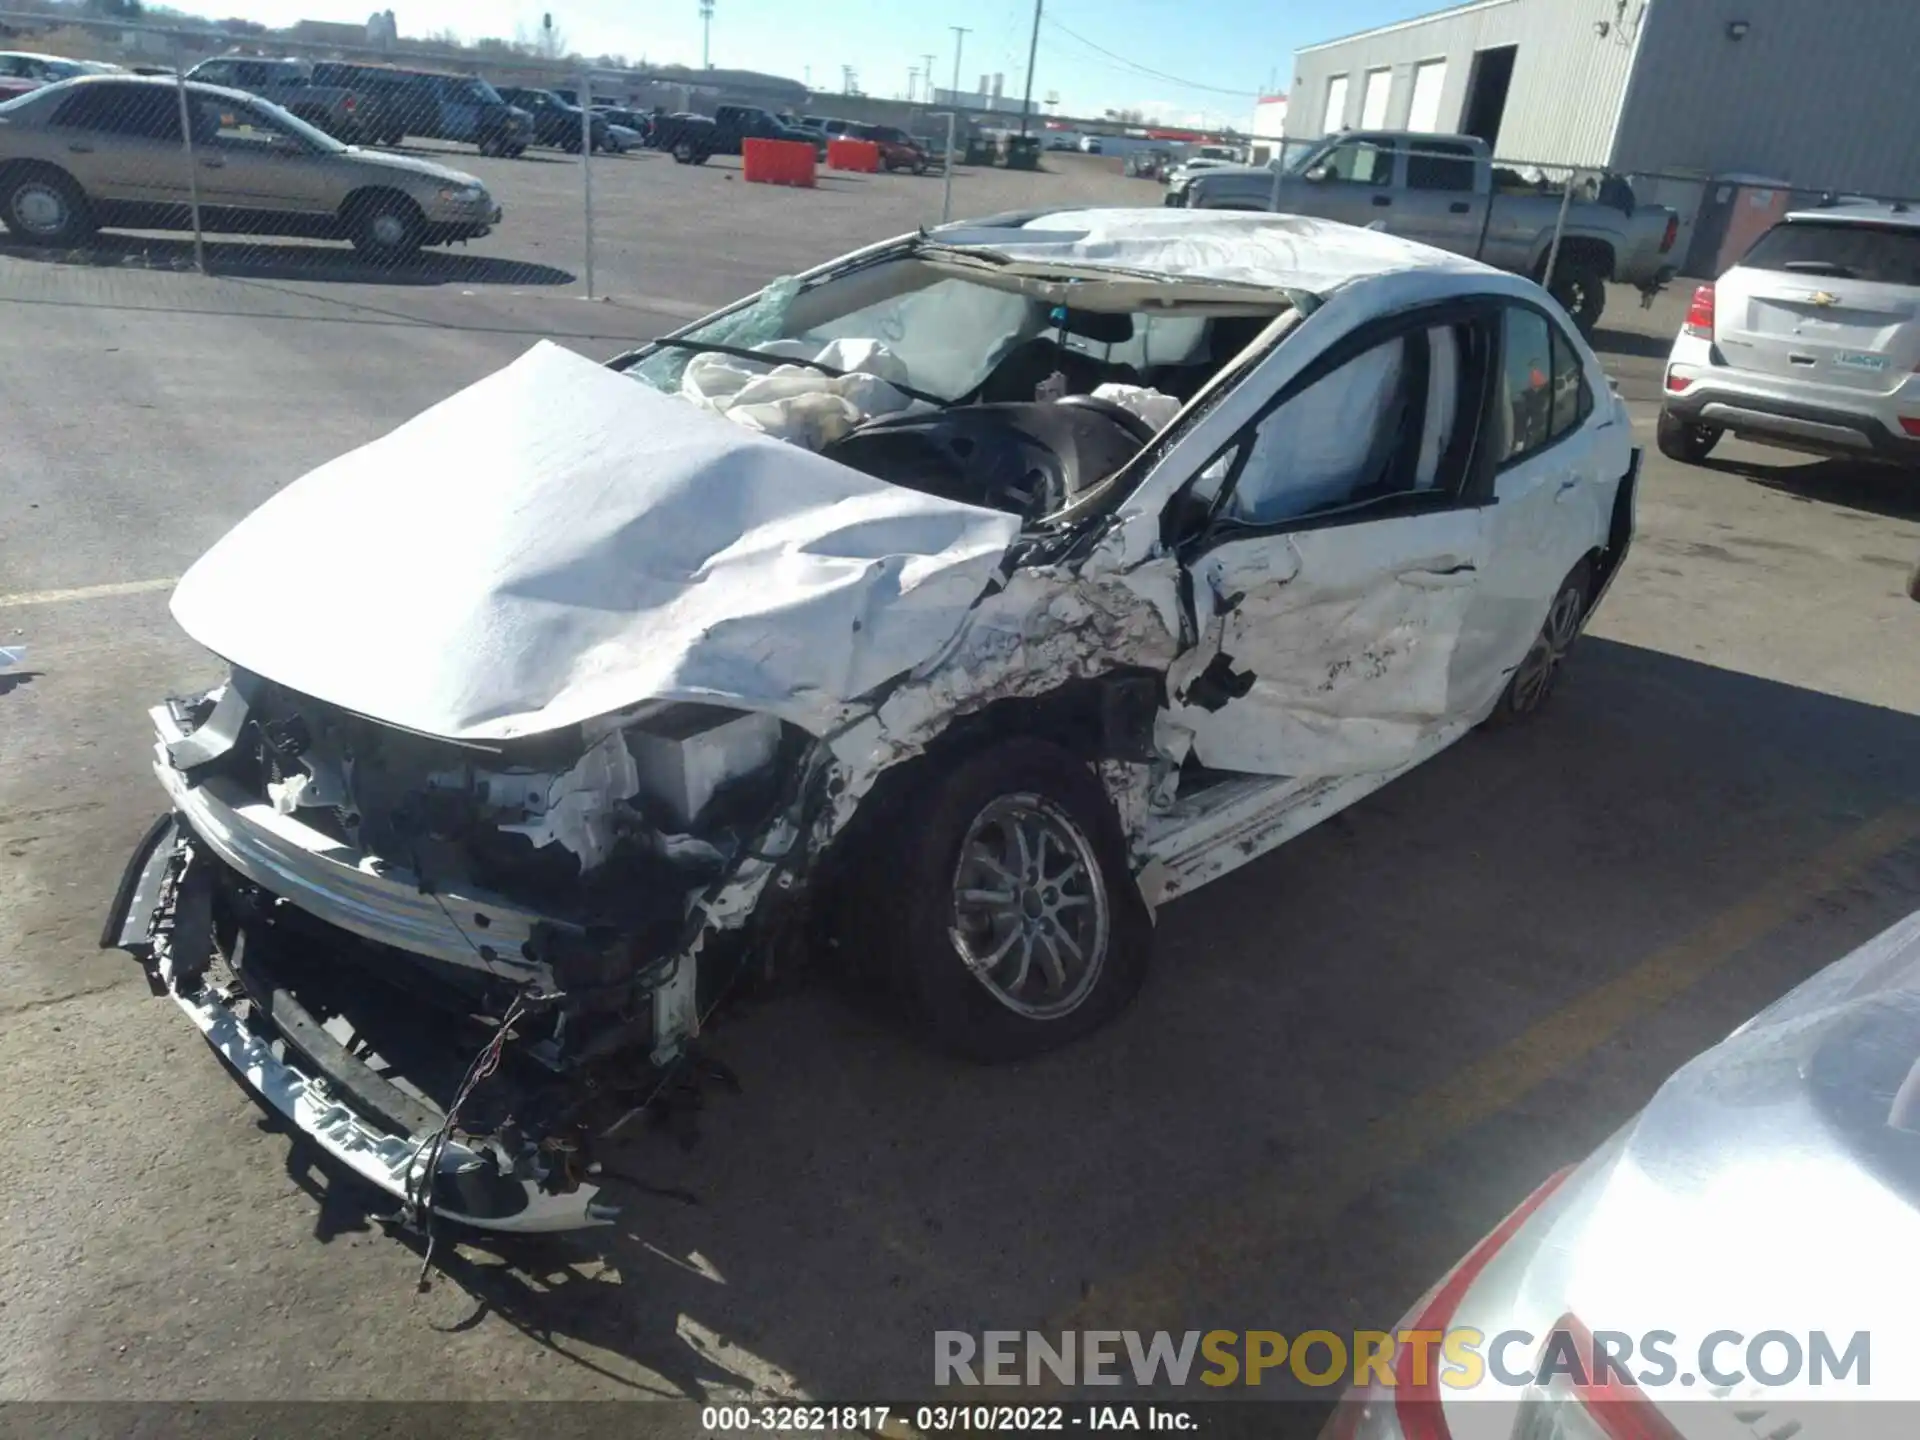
point(196, 149)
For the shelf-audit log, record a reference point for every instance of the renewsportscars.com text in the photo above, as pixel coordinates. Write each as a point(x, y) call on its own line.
point(1463, 1358)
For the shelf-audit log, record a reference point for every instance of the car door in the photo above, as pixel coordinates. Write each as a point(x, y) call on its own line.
point(1436, 205)
point(123, 144)
point(1331, 555)
point(1353, 182)
point(461, 109)
point(1550, 485)
point(256, 169)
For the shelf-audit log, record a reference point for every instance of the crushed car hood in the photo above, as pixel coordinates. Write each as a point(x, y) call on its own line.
point(559, 541)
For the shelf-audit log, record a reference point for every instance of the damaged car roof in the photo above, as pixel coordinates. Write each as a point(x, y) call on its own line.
point(556, 543)
point(1281, 252)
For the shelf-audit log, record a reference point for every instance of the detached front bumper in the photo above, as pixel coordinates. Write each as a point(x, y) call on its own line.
point(163, 915)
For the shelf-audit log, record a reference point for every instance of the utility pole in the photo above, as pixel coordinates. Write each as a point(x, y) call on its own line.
point(706, 34)
point(960, 33)
point(846, 79)
point(927, 71)
point(1033, 49)
point(913, 77)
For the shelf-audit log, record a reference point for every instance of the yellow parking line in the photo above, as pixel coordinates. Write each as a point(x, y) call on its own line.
point(1298, 1200)
point(87, 592)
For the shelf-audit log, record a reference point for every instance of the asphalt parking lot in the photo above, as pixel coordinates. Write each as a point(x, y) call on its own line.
point(1351, 1059)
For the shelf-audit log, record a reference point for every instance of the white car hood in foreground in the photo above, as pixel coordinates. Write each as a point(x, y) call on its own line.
point(558, 542)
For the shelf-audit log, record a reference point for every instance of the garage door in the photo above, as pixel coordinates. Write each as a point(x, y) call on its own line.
point(1336, 116)
point(1428, 81)
point(1373, 108)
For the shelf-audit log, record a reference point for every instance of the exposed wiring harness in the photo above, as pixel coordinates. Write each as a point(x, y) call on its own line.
point(421, 1175)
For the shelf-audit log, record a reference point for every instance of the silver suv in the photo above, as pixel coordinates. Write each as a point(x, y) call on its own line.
point(1809, 343)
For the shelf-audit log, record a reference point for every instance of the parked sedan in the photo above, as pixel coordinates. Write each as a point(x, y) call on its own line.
point(902, 612)
point(21, 71)
point(107, 152)
point(1721, 1267)
point(1810, 343)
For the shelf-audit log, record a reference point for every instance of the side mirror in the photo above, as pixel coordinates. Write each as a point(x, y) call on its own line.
point(1317, 174)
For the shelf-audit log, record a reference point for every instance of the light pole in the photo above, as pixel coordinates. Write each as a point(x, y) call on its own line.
point(1033, 49)
point(926, 73)
point(960, 33)
point(706, 34)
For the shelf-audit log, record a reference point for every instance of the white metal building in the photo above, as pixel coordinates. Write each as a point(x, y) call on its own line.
point(1817, 94)
point(1269, 127)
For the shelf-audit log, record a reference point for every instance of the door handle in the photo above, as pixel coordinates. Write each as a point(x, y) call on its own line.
point(1452, 579)
point(1458, 207)
point(79, 149)
point(1383, 199)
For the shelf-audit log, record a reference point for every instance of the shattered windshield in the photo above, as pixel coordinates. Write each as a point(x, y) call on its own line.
point(1019, 388)
point(946, 331)
point(953, 337)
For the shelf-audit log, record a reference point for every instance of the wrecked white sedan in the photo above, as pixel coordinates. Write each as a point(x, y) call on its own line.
point(941, 611)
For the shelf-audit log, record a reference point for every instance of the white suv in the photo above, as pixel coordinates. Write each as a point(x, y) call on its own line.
point(1809, 343)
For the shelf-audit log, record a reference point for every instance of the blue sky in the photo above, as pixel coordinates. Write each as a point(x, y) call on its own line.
point(1231, 49)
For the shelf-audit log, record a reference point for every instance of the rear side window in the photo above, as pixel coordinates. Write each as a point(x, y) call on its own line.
point(149, 112)
point(1526, 378)
point(1543, 379)
point(1436, 165)
point(1882, 254)
point(1572, 396)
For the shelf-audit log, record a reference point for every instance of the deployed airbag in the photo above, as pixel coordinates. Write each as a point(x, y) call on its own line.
point(557, 542)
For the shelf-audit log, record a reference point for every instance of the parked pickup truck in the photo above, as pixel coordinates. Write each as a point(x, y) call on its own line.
point(342, 112)
point(1444, 191)
point(690, 139)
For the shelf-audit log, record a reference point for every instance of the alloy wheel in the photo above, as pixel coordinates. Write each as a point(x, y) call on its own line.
point(1030, 907)
point(1534, 681)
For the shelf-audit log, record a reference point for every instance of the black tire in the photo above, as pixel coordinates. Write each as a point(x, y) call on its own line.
point(1581, 288)
point(492, 146)
point(1533, 681)
point(386, 228)
point(683, 152)
point(905, 918)
point(45, 206)
point(514, 152)
point(1685, 440)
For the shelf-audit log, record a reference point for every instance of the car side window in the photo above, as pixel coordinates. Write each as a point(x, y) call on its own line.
point(1572, 396)
point(1360, 162)
point(238, 127)
point(144, 112)
point(1437, 165)
point(1526, 382)
point(1388, 422)
point(214, 72)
